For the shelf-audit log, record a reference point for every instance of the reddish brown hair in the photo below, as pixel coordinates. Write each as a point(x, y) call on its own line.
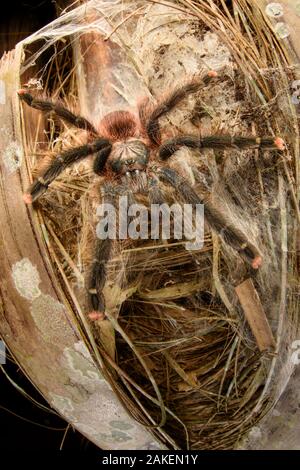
point(118, 125)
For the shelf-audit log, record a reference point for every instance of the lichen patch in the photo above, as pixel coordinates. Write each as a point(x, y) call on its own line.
point(81, 370)
point(274, 10)
point(12, 157)
point(26, 279)
point(64, 405)
point(50, 317)
point(282, 30)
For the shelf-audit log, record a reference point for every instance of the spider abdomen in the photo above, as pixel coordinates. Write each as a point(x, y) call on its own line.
point(118, 125)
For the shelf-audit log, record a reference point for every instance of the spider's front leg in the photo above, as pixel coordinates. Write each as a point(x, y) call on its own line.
point(62, 112)
point(59, 164)
point(217, 221)
point(102, 255)
point(219, 142)
point(149, 118)
point(97, 279)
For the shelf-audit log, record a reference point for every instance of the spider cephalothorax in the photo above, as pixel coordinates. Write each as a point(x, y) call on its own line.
point(124, 143)
point(129, 156)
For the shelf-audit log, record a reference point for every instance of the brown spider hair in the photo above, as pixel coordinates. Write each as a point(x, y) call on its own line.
point(118, 125)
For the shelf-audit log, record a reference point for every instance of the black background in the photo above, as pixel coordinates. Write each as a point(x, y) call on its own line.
point(18, 433)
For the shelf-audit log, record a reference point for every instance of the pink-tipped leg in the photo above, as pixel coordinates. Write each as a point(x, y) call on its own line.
point(279, 142)
point(257, 262)
point(27, 198)
point(95, 315)
point(22, 91)
point(212, 73)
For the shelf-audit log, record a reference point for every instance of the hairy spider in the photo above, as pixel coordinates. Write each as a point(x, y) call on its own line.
point(125, 146)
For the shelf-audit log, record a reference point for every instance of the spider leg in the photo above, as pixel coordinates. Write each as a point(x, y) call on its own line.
point(97, 278)
point(61, 111)
point(219, 142)
point(150, 119)
point(155, 193)
point(101, 159)
point(217, 221)
point(58, 165)
point(102, 255)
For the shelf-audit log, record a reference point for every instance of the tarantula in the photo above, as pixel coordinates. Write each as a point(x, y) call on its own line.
point(125, 146)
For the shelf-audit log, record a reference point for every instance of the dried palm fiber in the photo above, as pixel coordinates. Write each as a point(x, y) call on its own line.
point(176, 347)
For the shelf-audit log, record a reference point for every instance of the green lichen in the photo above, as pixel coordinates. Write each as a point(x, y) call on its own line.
point(64, 405)
point(115, 436)
point(122, 425)
point(81, 369)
